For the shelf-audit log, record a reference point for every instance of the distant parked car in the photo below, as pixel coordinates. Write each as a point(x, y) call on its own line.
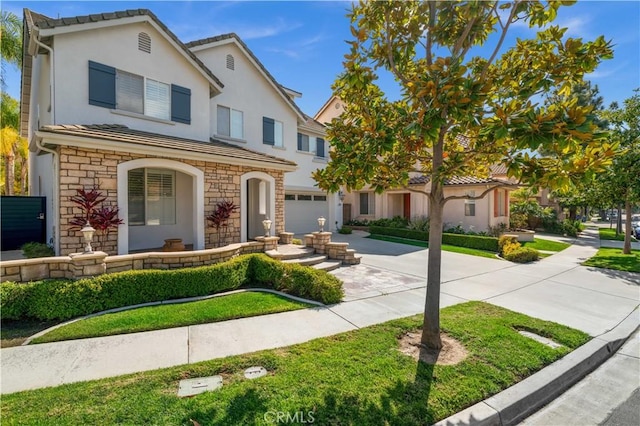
point(636, 231)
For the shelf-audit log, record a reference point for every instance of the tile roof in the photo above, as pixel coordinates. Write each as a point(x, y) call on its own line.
point(314, 124)
point(123, 134)
point(498, 169)
point(455, 180)
point(45, 22)
point(229, 36)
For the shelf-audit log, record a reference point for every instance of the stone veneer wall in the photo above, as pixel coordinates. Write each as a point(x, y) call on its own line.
point(81, 265)
point(86, 168)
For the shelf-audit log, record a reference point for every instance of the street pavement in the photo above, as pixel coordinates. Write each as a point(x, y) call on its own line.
point(389, 283)
point(608, 396)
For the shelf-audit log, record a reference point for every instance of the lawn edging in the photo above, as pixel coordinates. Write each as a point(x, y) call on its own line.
point(172, 302)
point(523, 399)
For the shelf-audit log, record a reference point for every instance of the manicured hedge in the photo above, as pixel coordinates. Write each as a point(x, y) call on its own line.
point(460, 240)
point(471, 241)
point(63, 299)
point(400, 232)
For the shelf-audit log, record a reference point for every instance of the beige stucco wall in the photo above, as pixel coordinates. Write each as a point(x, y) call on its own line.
point(85, 168)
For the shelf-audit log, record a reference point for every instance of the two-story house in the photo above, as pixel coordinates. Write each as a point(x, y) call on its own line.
point(472, 214)
point(165, 130)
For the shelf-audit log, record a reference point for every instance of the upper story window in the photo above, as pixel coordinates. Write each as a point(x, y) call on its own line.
point(303, 142)
point(144, 42)
point(320, 149)
point(231, 62)
point(470, 205)
point(272, 132)
point(230, 122)
point(117, 89)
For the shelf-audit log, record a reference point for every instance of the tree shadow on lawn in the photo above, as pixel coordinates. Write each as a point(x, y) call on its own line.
point(405, 403)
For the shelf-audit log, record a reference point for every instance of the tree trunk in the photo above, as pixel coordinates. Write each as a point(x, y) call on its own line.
point(627, 228)
point(9, 180)
point(572, 212)
point(431, 325)
point(619, 221)
point(23, 177)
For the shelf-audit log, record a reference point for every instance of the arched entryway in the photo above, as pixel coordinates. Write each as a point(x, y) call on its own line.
point(159, 199)
point(257, 192)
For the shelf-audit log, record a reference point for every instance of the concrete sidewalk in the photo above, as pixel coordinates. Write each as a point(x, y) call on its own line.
point(388, 284)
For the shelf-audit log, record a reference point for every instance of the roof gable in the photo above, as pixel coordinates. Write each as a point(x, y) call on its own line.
point(212, 42)
point(44, 27)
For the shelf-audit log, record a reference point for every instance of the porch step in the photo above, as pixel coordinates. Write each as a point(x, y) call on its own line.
point(328, 265)
point(290, 251)
point(307, 260)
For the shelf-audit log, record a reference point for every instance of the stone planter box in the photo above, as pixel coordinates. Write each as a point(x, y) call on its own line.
point(522, 236)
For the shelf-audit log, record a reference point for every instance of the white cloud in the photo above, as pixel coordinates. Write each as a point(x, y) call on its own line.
point(603, 73)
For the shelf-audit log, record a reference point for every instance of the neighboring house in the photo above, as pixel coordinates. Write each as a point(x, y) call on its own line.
point(478, 215)
point(180, 128)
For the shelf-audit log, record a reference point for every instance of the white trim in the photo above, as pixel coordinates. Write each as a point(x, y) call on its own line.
point(93, 143)
point(198, 197)
point(243, 201)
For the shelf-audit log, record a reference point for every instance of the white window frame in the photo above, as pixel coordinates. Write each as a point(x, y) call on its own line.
point(468, 204)
point(146, 101)
point(166, 201)
point(234, 131)
point(278, 135)
point(371, 205)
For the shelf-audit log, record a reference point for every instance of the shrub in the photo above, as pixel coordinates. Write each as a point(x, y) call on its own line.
point(345, 230)
point(356, 222)
point(395, 222)
point(507, 240)
point(399, 232)
point(522, 255)
point(419, 223)
point(458, 229)
point(296, 241)
point(471, 241)
point(496, 231)
point(32, 250)
point(63, 299)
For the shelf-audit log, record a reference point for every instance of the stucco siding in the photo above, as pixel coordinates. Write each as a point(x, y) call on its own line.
point(118, 47)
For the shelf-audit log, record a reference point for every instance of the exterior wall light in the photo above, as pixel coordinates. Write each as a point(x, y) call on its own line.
point(266, 224)
point(321, 221)
point(87, 233)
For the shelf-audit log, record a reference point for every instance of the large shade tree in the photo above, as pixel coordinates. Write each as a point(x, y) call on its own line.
point(466, 102)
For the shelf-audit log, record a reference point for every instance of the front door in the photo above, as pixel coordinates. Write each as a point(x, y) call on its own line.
point(407, 206)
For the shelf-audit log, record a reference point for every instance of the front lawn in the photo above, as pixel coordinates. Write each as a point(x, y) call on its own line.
point(612, 258)
point(354, 378)
point(610, 234)
point(545, 245)
point(445, 247)
point(222, 308)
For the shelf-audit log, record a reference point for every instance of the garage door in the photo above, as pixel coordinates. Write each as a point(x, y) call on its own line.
point(303, 210)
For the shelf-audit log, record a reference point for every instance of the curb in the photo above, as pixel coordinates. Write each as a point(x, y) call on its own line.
point(521, 400)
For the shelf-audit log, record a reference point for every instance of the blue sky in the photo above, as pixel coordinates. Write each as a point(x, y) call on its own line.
point(302, 43)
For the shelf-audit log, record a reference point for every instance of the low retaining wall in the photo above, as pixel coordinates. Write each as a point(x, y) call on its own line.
point(81, 265)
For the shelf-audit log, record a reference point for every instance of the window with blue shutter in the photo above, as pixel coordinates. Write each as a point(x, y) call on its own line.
point(320, 147)
point(102, 85)
point(180, 104)
point(268, 126)
point(303, 142)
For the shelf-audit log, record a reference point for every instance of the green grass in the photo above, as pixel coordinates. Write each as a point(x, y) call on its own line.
point(445, 247)
point(354, 378)
point(612, 258)
point(546, 245)
point(610, 234)
point(221, 308)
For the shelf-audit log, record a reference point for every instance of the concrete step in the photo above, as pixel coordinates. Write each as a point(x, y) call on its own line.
point(290, 251)
point(307, 260)
point(328, 265)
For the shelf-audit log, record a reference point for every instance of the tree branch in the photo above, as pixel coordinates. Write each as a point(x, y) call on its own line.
point(502, 37)
point(483, 194)
point(432, 22)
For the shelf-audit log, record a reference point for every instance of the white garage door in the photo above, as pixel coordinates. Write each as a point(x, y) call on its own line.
point(301, 212)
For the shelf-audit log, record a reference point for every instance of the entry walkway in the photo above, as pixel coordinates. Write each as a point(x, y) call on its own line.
point(392, 285)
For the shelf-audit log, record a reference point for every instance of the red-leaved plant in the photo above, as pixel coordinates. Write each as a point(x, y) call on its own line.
point(219, 219)
point(103, 219)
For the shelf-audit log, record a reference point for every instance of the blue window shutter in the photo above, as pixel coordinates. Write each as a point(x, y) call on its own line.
point(299, 141)
point(319, 147)
point(102, 85)
point(268, 130)
point(180, 104)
